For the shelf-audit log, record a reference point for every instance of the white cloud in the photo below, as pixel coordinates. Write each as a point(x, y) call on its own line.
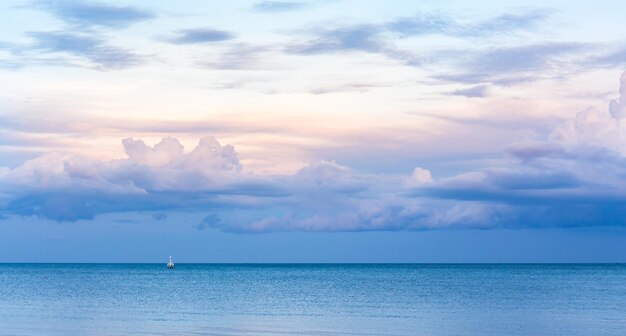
point(165, 152)
point(420, 176)
point(591, 127)
point(617, 107)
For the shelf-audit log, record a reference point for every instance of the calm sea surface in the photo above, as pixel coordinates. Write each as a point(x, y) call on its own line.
point(198, 299)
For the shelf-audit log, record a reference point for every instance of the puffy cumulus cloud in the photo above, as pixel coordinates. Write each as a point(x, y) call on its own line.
point(165, 167)
point(209, 154)
point(590, 127)
point(420, 176)
point(593, 132)
point(166, 151)
point(62, 186)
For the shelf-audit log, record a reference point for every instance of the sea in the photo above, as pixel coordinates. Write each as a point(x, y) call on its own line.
point(313, 299)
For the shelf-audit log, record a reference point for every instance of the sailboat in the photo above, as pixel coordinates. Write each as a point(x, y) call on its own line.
point(170, 264)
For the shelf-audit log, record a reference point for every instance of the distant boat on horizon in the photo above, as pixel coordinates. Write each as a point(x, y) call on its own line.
point(170, 264)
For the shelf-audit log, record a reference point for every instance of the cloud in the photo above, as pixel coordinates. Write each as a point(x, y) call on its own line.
point(322, 196)
point(165, 152)
point(508, 22)
point(572, 176)
point(532, 150)
point(210, 221)
point(507, 66)
point(80, 43)
point(498, 122)
point(614, 57)
point(87, 47)
point(377, 39)
point(509, 185)
point(163, 178)
point(477, 91)
point(349, 87)
point(437, 24)
point(79, 39)
point(521, 58)
point(200, 35)
point(419, 177)
point(617, 107)
point(62, 186)
point(239, 56)
point(356, 38)
point(496, 66)
point(424, 25)
point(325, 176)
point(277, 6)
point(590, 130)
point(95, 14)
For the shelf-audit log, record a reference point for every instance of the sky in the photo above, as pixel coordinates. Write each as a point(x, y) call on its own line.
point(312, 131)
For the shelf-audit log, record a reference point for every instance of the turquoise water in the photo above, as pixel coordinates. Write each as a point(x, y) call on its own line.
point(198, 299)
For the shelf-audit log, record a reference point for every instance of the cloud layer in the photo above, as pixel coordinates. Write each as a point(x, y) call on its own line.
point(572, 177)
point(88, 30)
